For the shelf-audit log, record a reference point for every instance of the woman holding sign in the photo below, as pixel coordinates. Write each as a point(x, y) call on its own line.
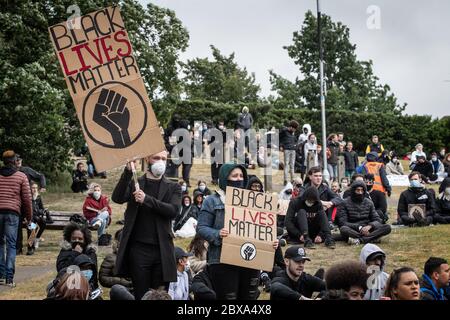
point(230, 282)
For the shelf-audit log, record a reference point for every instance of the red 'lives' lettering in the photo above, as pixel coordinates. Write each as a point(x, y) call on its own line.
point(102, 50)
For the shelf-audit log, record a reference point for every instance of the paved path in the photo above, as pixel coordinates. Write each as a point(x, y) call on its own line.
point(26, 273)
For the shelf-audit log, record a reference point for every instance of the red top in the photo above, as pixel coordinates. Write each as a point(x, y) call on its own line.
point(95, 204)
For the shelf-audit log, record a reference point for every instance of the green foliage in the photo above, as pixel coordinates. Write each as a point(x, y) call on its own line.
point(351, 84)
point(38, 118)
point(221, 80)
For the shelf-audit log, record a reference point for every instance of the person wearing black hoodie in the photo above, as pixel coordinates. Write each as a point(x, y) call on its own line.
point(306, 220)
point(186, 211)
point(424, 167)
point(416, 194)
point(197, 204)
point(443, 203)
point(77, 241)
point(357, 218)
point(328, 198)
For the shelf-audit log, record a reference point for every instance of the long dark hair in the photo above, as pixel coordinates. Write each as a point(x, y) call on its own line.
point(197, 246)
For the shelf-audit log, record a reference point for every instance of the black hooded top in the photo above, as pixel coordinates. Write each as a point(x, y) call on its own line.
point(252, 180)
point(297, 204)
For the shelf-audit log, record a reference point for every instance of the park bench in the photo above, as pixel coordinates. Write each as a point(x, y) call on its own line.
point(61, 219)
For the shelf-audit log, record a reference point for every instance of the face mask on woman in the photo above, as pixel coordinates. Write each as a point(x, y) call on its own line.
point(87, 274)
point(202, 187)
point(236, 184)
point(183, 188)
point(416, 184)
point(96, 195)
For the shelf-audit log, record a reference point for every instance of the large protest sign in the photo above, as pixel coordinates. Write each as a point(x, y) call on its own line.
point(107, 89)
point(251, 219)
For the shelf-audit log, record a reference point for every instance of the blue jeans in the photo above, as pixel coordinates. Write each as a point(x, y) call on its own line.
point(103, 217)
point(9, 224)
point(333, 170)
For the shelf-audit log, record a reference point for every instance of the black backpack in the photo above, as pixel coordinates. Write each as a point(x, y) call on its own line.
point(105, 240)
point(79, 219)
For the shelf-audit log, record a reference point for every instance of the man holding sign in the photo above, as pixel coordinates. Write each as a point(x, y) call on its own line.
point(146, 251)
point(230, 279)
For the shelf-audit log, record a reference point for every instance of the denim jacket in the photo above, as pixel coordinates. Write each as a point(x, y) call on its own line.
point(210, 222)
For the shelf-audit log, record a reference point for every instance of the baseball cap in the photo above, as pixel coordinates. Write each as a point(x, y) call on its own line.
point(180, 253)
point(296, 253)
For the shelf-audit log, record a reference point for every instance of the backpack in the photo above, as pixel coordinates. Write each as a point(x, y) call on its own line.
point(79, 219)
point(105, 240)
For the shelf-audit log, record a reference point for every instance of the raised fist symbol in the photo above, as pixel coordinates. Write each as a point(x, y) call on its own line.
point(111, 114)
point(248, 252)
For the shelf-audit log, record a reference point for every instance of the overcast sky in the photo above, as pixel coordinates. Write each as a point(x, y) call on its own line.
point(410, 50)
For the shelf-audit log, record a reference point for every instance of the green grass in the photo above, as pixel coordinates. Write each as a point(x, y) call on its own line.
point(404, 247)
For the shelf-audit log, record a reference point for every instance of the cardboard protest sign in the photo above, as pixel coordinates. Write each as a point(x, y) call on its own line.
point(398, 181)
point(107, 89)
point(251, 219)
point(283, 206)
point(417, 209)
point(32, 237)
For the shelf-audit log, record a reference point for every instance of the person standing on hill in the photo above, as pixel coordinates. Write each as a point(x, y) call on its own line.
point(375, 146)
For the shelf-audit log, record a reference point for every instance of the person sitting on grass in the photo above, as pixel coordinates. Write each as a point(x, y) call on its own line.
point(416, 194)
point(403, 284)
point(96, 209)
point(180, 290)
point(394, 166)
point(63, 288)
point(203, 188)
point(349, 278)
point(357, 219)
point(293, 283)
point(199, 249)
point(38, 218)
point(197, 205)
point(79, 179)
point(77, 240)
point(375, 259)
point(443, 203)
point(435, 279)
point(186, 212)
point(107, 276)
point(306, 220)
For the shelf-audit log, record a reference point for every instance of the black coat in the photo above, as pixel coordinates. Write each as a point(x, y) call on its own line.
point(334, 149)
point(67, 256)
point(355, 214)
point(351, 160)
point(443, 206)
point(284, 288)
point(425, 169)
point(294, 208)
point(288, 140)
point(165, 207)
point(410, 196)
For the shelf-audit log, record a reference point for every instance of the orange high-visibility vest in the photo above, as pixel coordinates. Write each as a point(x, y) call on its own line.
point(374, 168)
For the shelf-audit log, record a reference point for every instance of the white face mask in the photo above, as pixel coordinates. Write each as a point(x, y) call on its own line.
point(96, 195)
point(158, 168)
point(183, 188)
point(447, 191)
point(187, 266)
point(202, 188)
point(309, 203)
point(434, 158)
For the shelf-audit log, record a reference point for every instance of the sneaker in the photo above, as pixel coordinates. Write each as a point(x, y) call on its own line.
point(330, 243)
point(10, 283)
point(309, 244)
point(36, 243)
point(48, 220)
point(96, 225)
point(354, 241)
point(30, 252)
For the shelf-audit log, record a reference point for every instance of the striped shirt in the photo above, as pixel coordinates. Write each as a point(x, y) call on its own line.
point(15, 194)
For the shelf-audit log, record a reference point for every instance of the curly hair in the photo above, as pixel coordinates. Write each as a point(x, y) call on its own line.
point(344, 275)
point(71, 227)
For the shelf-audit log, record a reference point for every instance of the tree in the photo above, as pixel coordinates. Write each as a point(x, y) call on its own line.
point(221, 80)
point(350, 83)
point(38, 118)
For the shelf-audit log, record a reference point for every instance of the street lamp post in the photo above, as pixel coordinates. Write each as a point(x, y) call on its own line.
point(326, 174)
